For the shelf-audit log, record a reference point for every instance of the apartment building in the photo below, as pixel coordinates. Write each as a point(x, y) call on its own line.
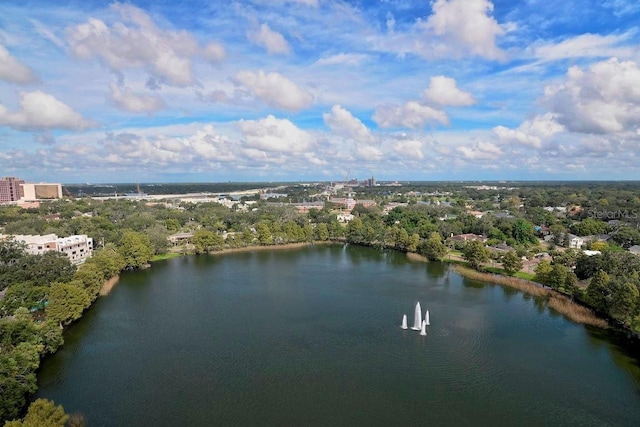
point(77, 248)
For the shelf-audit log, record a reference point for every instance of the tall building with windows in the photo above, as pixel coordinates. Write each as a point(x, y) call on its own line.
point(11, 189)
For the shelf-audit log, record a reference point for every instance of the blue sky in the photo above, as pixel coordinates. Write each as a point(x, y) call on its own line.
point(304, 90)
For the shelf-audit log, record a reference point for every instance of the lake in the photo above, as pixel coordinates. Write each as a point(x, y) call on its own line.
point(312, 336)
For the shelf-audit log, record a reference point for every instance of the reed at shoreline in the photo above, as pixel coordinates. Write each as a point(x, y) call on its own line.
point(555, 301)
point(108, 285)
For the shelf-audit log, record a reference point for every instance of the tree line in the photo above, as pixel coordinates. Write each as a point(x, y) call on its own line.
point(44, 293)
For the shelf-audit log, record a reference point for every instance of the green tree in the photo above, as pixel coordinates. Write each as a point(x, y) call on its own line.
point(543, 272)
point(91, 277)
point(355, 231)
point(206, 241)
point(475, 253)
point(22, 295)
point(109, 260)
point(159, 238)
point(136, 249)
point(413, 242)
point(598, 292)
point(588, 227)
point(17, 378)
point(557, 277)
point(624, 299)
point(172, 224)
point(50, 335)
point(67, 301)
point(263, 232)
point(524, 232)
point(307, 233)
point(321, 232)
point(626, 236)
point(511, 263)
point(42, 413)
point(433, 248)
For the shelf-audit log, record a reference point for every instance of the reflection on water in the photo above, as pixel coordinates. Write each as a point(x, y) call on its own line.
point(312, 336)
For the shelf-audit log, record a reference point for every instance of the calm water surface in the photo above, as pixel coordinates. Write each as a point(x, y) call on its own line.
point(312, 337)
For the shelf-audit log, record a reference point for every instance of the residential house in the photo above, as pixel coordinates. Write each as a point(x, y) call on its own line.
point(575, 242)
point(468, 237)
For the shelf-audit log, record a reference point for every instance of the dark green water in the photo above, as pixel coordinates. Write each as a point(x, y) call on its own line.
point(312, 336)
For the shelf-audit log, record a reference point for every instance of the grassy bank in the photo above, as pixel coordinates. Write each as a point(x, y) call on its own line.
point(169, 255)
point(554, 300)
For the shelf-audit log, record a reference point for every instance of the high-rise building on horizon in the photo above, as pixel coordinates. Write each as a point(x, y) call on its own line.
point(11, 189)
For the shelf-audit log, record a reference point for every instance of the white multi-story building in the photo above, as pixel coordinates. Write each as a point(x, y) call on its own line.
point(41, 191)
point(77, 248)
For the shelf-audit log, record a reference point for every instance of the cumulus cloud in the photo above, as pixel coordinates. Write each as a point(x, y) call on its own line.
point(275, 89)
point(137, 42)
point(531, 132)
point(276, 135)
point(214, 52)
point(343, 123)
point(209, 144)
point(443, 91)
point(41, 111)
point(126, 100)
point(14, 71)
point(368, 153)
point(605, 98)
point(411, 149)
point(410, 115)
point(481, 151)
point(273, 41)
point(464, 26)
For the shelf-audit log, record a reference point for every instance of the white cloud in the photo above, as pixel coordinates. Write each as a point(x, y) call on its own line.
point(13, 70)
point(464, 26)
point(411, 149)
point(481, 151)
point(137, 42)
point(584, 46)
point(605, 98)
point(350, 59)
point(343, 123)
point(275, 135)
point(47, 33)
point(369, 153)
point(411, 115)
point(275, 89)
point(443, 91)
point(531, 132)
point(41, 111)
point(210, 145)
point(214, 52)
point(622, 7)
point(126, 100)
point(273, 41)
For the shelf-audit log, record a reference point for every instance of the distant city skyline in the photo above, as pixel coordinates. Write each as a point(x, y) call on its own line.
point(318, 90)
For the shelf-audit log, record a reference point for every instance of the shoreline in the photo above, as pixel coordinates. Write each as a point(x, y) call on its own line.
point(108, 285)
point(558, 302)
point(296, 245)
